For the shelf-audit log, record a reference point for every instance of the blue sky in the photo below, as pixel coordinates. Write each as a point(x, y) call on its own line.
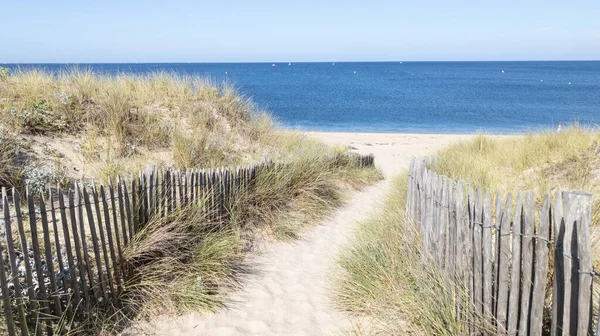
point(249, 31)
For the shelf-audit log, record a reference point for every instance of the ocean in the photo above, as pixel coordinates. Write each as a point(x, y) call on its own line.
point(406, 97)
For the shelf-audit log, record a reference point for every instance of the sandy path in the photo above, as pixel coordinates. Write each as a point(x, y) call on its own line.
point(288, 294)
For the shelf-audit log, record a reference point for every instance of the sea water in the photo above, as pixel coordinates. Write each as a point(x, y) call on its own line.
point(408, 97)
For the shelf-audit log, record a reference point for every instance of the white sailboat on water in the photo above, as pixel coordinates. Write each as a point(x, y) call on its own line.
point(333, 63)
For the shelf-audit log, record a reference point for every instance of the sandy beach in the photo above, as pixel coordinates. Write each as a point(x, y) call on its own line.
point(288, 292)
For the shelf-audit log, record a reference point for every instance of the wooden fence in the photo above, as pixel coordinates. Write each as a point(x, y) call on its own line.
point(527, 269)
point(62, 252)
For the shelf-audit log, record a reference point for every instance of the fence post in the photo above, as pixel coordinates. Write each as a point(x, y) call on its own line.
point(515, 269)
point(527, 262)
point(541, 269)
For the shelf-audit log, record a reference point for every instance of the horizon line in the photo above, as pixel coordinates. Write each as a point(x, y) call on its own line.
point(276, 62)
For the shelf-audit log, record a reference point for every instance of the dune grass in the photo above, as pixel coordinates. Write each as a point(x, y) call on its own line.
point(382, 274)
point(118, 124)
point(542, 162)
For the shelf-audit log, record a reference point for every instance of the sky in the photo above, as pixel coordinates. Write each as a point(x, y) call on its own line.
point(41, 31)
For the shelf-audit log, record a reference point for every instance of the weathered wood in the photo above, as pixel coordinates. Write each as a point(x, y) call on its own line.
point(142, 200)
point(469, 243)
point(460, 230)
point(487, 258)
point(541, 269)
point(107, 261)
point(169, 187)
point(570, 264)
point(14, 270)
point(84, 246)
point(515, 269)
point(526, 262)
point(450, 240)
point(94, 235)
point(180, 182)
point(503, 270)
point(57, 244)
point(558, 290)
point(496, 251)
point(185, 179)
point(123, 222)
point(10, 323)
point(585, 269)
point(115, 226)
point(72, 265)
point(134, 204)
point(128, 212)
point(56, 308)
point(442, 221)
point(43, 298)
point(109, 235)
point(150, 209)
point(162, 194)
point(477, 223)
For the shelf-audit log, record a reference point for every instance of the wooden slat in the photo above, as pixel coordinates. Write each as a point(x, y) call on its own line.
point(10, 323)
point(586, 270)
point(141, 200)
point(77, 242)
point(460, 230)
point(487, 258)
point(55, 308)
point(57, 244)
point(83, 236)
point(128, 212)
point(450, 243)
point(558, 276)
point(515, 269)
point(526, 261)
point(174, 189)
point(541, 269)
point(72, 264)
point(109, 236)
point(94, 235)
point(123, 222)
point(185, 179)
point(150, 209)
point(115, 227)
point(180, 183)
point(43, 302)
point(107, 261)
point(569, 255)
point(442, 224)
point(14, 270)
point(162, 194)
point(155, 197)
point(33, 302)
point(478, 253)
point(469, 242)
point(503, 270)
point(134, 204)
point(496, 251)
point(169, 187)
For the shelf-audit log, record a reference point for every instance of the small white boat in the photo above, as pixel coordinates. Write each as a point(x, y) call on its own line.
point(290, 63)
point(354, 71)
point(273, 64)
point(400, 62)
point(333, 63)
